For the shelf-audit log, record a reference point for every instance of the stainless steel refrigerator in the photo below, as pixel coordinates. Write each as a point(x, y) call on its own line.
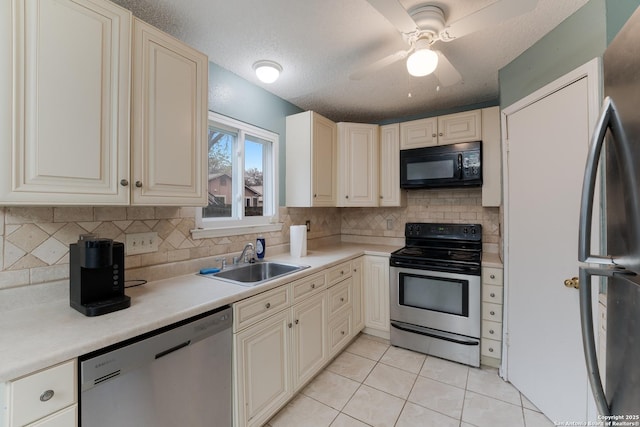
point(618, 135)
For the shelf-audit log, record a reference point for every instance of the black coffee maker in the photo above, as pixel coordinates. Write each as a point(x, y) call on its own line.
point(97, 276)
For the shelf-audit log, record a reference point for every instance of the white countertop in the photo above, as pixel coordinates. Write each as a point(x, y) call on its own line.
point(39, 329)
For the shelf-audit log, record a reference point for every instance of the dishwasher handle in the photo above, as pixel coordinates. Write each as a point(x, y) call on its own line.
point(172, 349)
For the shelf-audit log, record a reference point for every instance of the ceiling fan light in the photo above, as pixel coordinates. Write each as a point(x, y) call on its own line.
point(267, 71)
point(422, 62)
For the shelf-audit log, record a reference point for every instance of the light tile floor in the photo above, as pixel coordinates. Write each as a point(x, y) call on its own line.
point(374, 384)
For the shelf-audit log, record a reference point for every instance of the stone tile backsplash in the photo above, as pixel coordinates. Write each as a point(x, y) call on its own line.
point(34, 241)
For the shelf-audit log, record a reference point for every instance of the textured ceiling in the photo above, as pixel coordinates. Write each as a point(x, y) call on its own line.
point(319, 43)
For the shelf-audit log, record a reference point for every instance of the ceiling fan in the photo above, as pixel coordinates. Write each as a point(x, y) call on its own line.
point(423, 25)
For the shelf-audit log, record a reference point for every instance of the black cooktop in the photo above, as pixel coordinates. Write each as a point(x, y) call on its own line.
point(441, 247)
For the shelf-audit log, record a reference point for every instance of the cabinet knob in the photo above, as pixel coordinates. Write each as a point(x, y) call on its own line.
point(313, 286)
point(491, 331)
point(441, 134)
point(139, 184)
point(341, 272)
point(493, 313)
point(297, 321)
point(124, 182)
point(346, 197)
point(315, 195)
point(493, 276)
point(267, 305)
point(47, 395)
point(492, 294)
point(381, 196)
point(290, 325)
point(342, 332)
point(433, 135)
point(341, 299)
point(490, 350)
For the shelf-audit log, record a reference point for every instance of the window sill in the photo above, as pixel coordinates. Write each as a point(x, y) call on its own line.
point(205, 233)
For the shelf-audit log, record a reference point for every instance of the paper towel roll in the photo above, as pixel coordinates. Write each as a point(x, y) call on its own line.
point(298, 240)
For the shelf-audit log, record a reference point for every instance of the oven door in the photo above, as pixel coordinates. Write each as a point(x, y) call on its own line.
point(444, 301)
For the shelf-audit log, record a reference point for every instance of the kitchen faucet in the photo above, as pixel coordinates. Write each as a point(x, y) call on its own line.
point(243, 255)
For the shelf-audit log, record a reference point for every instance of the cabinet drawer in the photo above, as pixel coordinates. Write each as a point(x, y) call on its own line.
point(492, 293)
point(492, 276)
point(338, 273)
point(492, 311)
point(339, 332)
point(308, 286)
point(42, 393)
point(66, 418)
point(492, 330)
point(491, 348)
point(340, 296)
point(261, 306)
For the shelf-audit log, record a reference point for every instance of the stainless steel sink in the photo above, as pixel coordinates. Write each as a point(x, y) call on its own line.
point(256, 273)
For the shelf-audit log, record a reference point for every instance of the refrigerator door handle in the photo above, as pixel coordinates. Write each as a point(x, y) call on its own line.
point(609, 119)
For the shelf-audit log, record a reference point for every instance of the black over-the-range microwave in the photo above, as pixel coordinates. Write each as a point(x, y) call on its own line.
point(454, 165)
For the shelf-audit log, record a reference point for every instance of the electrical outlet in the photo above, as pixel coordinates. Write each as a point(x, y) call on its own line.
point(141, 243)
point(308, 224)
point(389, 224)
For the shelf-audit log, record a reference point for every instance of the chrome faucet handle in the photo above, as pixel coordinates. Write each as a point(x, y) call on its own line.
point(223, 262)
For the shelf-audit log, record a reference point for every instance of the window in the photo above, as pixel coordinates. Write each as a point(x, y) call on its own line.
point(242, 180)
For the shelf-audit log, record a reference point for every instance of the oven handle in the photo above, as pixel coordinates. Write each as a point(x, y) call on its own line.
point(434, 334)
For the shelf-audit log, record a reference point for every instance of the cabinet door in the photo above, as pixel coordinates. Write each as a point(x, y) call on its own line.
point(66, 418)
point(358, 164)
point(263, 382)
point(309, 338)
point(169, 120)
point(376, 293)
point(358, 305)
point(419, 133)
point(460, 127)
point(491, 158)
point(69, 142)
point(324, 161)
point(390, 192)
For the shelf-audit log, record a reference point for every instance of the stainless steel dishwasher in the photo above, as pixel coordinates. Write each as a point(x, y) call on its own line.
point(179, 375)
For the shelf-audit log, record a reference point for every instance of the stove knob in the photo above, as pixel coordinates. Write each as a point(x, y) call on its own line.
point(465, 230)
point(473, 230)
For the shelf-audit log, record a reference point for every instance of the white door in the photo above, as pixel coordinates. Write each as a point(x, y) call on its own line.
point(547, 137)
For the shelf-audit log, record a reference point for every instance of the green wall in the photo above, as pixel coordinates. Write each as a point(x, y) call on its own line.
point(577, 40)
point(235, 97)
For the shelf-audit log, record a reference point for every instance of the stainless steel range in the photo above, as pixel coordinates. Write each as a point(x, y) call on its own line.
point(435, 291)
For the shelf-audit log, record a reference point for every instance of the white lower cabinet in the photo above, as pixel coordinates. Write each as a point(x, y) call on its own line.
point(376, 295)
point(45, 398)
point(285, 336)
point(262, 369)
point(491, 340)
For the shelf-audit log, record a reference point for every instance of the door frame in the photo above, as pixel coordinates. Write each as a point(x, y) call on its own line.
point(592, 71)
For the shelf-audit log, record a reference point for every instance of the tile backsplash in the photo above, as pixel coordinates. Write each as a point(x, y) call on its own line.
point(34, 241)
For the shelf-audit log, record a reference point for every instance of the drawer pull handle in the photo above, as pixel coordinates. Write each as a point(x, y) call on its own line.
point(46, 396)
point(491, 331)
point(492, 294)
point(493, 313)
point(493, 276)
point(267, 305)
point(313, 286)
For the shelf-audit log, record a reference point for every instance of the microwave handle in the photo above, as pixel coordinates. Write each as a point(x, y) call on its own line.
point(459, 165)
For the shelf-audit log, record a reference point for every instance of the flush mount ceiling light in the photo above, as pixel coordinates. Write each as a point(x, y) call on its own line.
point(423, 60)
point(267, 71)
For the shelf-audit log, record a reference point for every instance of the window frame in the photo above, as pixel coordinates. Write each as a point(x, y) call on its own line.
point(218, 227)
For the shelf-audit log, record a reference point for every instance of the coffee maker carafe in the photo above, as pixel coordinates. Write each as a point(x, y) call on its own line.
point(97, 276)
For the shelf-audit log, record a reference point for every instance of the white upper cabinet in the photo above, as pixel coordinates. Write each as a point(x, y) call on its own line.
point(358, 169)
point(68, 125)
point(311, 171)
point(449, 129)
point(491, 158)
point(67, 136)
point(390, 192)
point(169, 120)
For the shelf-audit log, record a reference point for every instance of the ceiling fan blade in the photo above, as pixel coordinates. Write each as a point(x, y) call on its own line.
point(445, 71)
point(379, 64)
point(395, 13)
point(487, 17)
